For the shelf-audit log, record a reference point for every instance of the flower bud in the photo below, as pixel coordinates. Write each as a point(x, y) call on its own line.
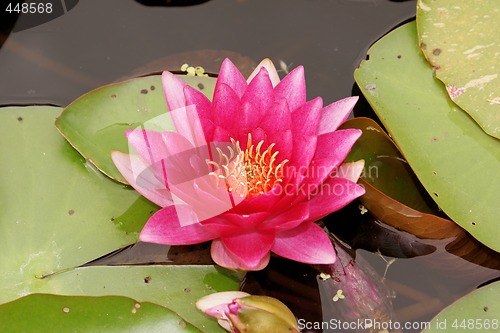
point(240, 312)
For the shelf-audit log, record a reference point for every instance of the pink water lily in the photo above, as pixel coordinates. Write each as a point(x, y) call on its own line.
point(252, 170)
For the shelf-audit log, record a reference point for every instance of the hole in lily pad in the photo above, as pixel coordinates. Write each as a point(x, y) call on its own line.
point(485, 309)
point(20, 119)
point(436, 51)
point(147, 279)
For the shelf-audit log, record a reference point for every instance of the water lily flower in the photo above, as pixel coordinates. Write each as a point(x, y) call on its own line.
point(240, 312)
point(252, 169)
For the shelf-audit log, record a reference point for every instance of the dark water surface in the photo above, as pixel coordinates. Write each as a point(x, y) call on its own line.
point(97, 42)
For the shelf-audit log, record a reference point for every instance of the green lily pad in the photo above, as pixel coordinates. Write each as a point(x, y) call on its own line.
point(95, 123)
point(51, 313)
point(478, 311)
point(56, 210)
point(460, 39)
point(174, 287)
point(453, 158)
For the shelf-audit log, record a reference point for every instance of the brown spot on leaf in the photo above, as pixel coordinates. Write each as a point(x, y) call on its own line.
point(71, 212)
point(152, 88)
point(144, 91)
point(399, 56)
point(436, 51)
point(113, 96)
point(20, 119)
point(485, 309)
point(147, 279)
point(187, 290)
point(434, 139)
point(201, 86)
point(423, 46)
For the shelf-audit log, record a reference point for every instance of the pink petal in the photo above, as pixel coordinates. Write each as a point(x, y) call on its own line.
point(333, 194)
point(250, 250)
point(164, 227)
point(230, 75)
point(271, 70)
point(335, 114)
point(304, 127)
point(259, 93)
point(350, 171)
point(259, 203)
point(155, 146)
point(226, 107)
point(306, 118)
point(224, 258)
point(307, 243)
point(216, 304)
point(332, 148)
point(204, 108)
point(221, 135)
point(139, 175)
point(203, 197)
point(292, 88)
point(246, 221)
point(278, 119)
point(188, 124)
point(288, 219)
point(173, 88)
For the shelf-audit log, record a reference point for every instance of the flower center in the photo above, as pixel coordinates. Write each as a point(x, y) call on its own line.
point(248, 172)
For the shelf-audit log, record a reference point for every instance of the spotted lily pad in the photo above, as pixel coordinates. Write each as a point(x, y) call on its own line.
point(174, 287)
point(95, 123)
point(58, 212)
point(453, 158)
point(460, 38)
point(51, 313)
point(478, 311)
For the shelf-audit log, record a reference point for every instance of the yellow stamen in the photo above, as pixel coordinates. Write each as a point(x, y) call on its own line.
point(250, 172)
